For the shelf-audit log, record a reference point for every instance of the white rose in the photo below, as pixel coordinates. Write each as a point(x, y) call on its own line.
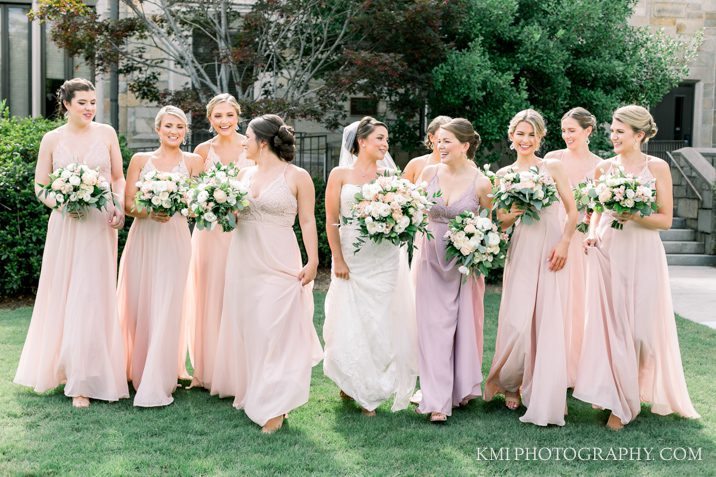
point(74, 180)
point(402, 224)
point(66, 174)
point(493, 239)
point(60, 198)
point(464, 270)
point(470, 229)
point(57, 184)
point(220, 196)
point(210, 217)
point(156, 200)
point(202, 197)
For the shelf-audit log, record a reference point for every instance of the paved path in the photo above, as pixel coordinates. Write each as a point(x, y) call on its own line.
point(694, 293)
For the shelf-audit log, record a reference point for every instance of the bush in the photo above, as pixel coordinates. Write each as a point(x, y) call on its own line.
point(324, 251)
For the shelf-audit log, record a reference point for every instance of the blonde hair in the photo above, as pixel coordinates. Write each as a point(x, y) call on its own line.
point(222, 98)
point(174, 111)
point(433, 127)
point(584, 118)
point(531, 117)
point(638, 118)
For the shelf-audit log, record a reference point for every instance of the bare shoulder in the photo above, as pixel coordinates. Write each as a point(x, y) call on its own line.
point(659, 165)
point(139, 159)
point(504, 170)
point(429, 172)
point(554, 154)
point(51, 138)
point(416, 161)
point(246, 171)
point(299, 173)
point(105, 129)
point(338, 173)
point(203, 148)
point(483, 184)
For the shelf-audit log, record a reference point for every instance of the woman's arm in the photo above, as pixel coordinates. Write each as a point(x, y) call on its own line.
point(135, 167)
point(116, 209)
point(43, 169)
point(306, 198)
point(558, 256)
point(663, 217)
point(333, 222)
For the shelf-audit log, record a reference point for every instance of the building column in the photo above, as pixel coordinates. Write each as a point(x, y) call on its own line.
point(36, 66)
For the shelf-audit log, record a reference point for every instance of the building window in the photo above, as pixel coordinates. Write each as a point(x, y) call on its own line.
point(15, 48)
point(363, 107)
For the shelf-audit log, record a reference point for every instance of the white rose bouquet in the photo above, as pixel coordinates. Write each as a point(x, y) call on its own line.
point(76, 188)
point(624, 193)
point(477, 243)
point(161, 193)
point(529, 190)
point(216, 196)
point(584, 198)
point(392, 209)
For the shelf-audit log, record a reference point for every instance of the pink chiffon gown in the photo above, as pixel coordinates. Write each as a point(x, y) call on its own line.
point(267, 343)
point(630, 352)
point(74, 336)
point(152, 278)
point(531, 349)
point(450, 314)
point(204, 295)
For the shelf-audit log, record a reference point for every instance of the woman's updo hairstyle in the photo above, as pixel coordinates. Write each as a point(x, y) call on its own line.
point(584, 118)
point(639, 119)
point(222, 98)
point(280, 138)
point(173, 111)
point(433, 127)
point(68, 90)
point(531, 117)
point(364, 129)
point(465, 133)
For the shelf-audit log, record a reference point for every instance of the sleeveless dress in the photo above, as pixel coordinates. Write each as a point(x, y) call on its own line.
point(370, 331)
point(74, 336)
point(152, 278)
point(204, 295)
point(449, 310)
point(630, 352)
point(531, 349)
point(267, 343)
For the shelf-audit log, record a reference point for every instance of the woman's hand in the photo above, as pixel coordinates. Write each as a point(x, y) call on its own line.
point(516, 211)
point(558, 256)
point(589, 242)
point(160, 217)
point(308, 273)
point(78, 214)
point(115, 216)
point(340, 269)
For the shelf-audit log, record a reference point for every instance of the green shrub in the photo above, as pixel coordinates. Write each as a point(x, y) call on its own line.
point(324, 251)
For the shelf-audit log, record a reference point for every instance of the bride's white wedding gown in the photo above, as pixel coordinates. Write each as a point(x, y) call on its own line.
point(371, 346)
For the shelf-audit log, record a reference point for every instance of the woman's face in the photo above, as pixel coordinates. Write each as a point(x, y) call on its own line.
point(171, 131)
point(623, 137)
point(524, 139)
point(449, 147)
point(573, 134)
point(82, 107)
point(252, 145)
point(224, 119)
point(375, 145)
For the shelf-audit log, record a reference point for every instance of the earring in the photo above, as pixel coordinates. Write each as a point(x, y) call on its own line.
point(512, 146)
point(587, 141)
point(211, 130)
point(183, 143)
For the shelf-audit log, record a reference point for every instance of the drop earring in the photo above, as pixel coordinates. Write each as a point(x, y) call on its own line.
point(587, 141)
point(512, 146)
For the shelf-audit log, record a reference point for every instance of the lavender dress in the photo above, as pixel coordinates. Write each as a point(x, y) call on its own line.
point(449, 312)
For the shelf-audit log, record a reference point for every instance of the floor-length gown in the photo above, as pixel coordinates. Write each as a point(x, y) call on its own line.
point(450, 314)
point(531, 349)
point(267, 343)
point(152, 279)
point(204, 295)
point(630, 352)
point(74, 336)
point(370, 330)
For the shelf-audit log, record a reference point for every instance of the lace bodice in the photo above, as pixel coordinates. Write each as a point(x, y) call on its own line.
point(212, 158)
point(276, 204)
point(442, 213)
point(178, 169)
point(97, 156)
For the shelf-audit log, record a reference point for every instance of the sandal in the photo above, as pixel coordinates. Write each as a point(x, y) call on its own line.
point(512, 400)
point(80, 402)
point(344, 396)
point(614, 423)
point(438, 417)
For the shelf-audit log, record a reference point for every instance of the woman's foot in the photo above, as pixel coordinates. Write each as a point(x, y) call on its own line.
point(438, 417)
point(416, 397)
point(80, 402)
point(465, 401)
point(512, 400)
point(598, 408)
point(344, 396)
point(366, 412)
point(273, 424)
point(614, 423)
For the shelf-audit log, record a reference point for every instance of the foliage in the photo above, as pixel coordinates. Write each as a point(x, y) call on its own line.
point(552, 55)
point(324, 250)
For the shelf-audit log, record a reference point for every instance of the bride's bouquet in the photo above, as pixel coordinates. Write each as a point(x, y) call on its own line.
point(392, 209)
point(76, 188)
point(216, 196)
point(529, 190)
point(161, 193)
point(477, 243)
point(584, 195)
point(624, 193)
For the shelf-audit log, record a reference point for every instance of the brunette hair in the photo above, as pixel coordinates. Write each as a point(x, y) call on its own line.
point(280, 138)
point(68, 90)
point(364, 129)
point(583, 117)
point(465, 133)
point(433, 127)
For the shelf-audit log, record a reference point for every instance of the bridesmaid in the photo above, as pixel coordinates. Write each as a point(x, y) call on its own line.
point(267, 344)
point(370, 330)
point(417, 164)
point(449, 308)
point(631, 351)
point(153, 271)
point(579, 164)
point(530, 360)
point(74, 336)
point(205, 287)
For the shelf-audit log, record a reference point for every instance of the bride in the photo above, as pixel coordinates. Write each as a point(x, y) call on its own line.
point(371, 348)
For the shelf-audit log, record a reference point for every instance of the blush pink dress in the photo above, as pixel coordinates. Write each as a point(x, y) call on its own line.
point(267, 343)
point(74, 336)
point(204, 295)
point(152, 278)
point(531, 349)
point(630, 352)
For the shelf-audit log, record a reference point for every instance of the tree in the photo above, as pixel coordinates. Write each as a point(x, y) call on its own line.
point(552, 55)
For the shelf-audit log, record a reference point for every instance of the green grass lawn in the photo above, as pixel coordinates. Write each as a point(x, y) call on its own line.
point(204, 435)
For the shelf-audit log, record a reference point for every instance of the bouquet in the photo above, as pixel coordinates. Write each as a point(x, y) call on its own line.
point(584, 198)
point(529, 190)
point(624, 193)
point(77, 187)
point(476, 242)
point(161, 193)
point(216, 196)
point(392, 209)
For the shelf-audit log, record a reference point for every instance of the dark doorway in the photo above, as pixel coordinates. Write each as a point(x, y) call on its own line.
point(674, 115)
